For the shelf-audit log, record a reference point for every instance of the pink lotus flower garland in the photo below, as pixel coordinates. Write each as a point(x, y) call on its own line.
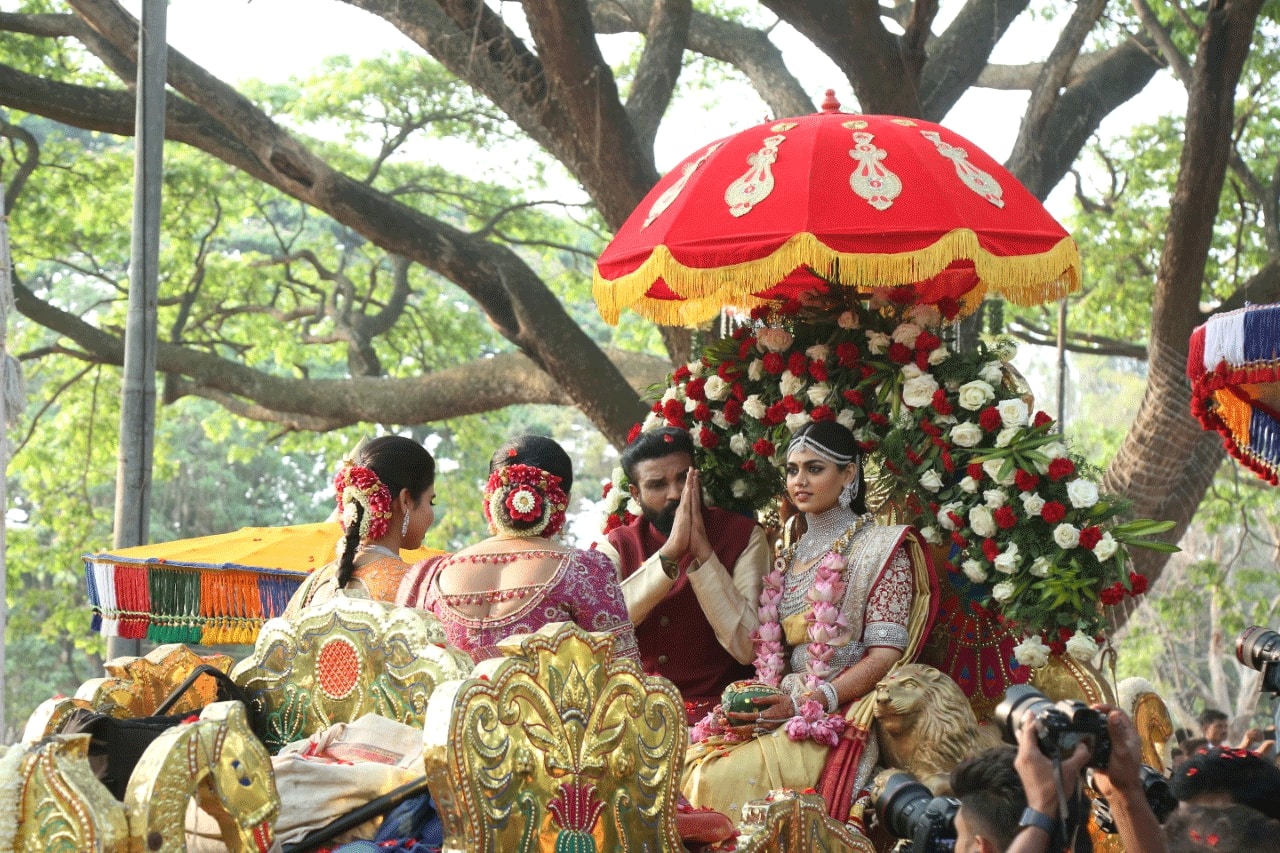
point(813, 722)
point(827, 622)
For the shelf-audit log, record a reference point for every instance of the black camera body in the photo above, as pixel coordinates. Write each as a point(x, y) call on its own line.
point(1259, 648)
point(910, 811)
point(1059, 725)
point(1155, 788)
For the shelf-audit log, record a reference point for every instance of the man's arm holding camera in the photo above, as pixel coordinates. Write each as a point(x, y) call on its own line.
point(1039, 778)
point(1121, 784)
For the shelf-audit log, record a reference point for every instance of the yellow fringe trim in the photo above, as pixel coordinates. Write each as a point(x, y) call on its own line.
point(1023, 280)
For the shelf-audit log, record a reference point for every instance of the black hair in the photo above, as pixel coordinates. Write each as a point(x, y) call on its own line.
point(655, 444)
point(989, 789)
point(839, 439)
point(1237, 828)
point(1247, 777)
point(400, 463)
point(539, 452)
point(1210, 715)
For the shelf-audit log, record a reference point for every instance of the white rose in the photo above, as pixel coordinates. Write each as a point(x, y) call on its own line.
point(774, 339)
point(847, 320)
point(720, 420)
point(1054, 450)
point(906, 334)
point(755, 370)
point(968, 484)
point(633, 507)
point(994, 498)
point(1005, 436)
point(797, 420)
point(973, 571)
point(739, 488)
point(614, 500)
point(1032, 652)
point(716, 388)
point(966, 434)
point(1106, 547)
point(1002, 591)
point(1013, 413)
point(739, 444)
point(1008, 560)
point(877, 343)
point(1066, 535)
point(944, 517)
point(927, 316)
point(919, 391)
point(910, 371)
point(675, 392)
point(982, 522)
point(946, 420)
point(818, 352)
point(847, 418)
point(696, 435)
point(939, 355)
point(1081, 648)
point(616, 475)
point(992, 372)
point(690, 404)
point(1032, 503)
point(992, 468)
point(1082, 493)
point(931, 535)
point(1040, 567)
point(819, 393)
point(930, 480)
point(790, 384)
point(976, 394)
point(695, 368)
point(754, 406)
point(652, 421)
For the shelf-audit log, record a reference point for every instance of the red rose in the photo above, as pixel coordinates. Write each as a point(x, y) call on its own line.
point(732, 410)
point(991, 549)
point(928, 341)
point(854, 397)
point(974, 470)
point(1025, 480)
point(846, 354)
point(940, 403)
point(989, 419)
point(1137, 584)
point(1041, 419)
point(633, 433)
point(764, 447)
point(822, 413)
point(797, 363)
point(773, 363)
point(695, 389)
point(702, 412)
point(709, 439)
point(1090, 536)
point(818, 370)
point(792, 405)
point(1053, 512)
point(1005, 517)
point(899, 353)
point(1062, 467)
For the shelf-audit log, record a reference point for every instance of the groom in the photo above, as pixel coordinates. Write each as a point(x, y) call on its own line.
point(691, 574)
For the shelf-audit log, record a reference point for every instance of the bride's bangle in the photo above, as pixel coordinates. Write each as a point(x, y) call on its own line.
point(833, 698)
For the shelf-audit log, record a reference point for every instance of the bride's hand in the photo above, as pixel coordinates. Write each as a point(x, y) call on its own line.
point(774, 711)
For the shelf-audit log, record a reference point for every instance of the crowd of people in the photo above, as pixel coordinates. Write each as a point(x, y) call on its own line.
point(777, 656)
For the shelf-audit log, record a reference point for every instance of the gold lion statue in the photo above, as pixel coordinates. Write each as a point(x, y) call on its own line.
point(924, 725)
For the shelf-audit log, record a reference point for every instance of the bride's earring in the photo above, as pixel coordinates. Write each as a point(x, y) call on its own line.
point(849, 492)
point(404, 528)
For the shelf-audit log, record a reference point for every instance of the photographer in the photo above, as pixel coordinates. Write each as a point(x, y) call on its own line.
point(1120, 783)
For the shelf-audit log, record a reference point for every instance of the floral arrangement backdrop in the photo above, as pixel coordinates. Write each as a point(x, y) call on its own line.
point(986, 479)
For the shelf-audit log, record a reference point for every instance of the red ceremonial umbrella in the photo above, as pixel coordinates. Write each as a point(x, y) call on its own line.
point(865, 201)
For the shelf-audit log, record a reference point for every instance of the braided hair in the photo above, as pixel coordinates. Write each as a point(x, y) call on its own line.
point(399, 463)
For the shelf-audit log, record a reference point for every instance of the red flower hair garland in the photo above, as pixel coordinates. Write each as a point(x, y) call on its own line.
point(523, 493)
point(356, 484)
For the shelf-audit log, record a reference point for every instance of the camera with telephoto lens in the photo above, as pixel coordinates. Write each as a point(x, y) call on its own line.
point(1259, 648)
point(910, 811)
point(1059, 726)
point(1154, 787)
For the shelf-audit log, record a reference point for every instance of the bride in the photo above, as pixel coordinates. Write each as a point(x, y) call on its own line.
point(845, 604)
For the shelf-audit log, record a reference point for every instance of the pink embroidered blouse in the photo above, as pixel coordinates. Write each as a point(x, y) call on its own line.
point(584, 589)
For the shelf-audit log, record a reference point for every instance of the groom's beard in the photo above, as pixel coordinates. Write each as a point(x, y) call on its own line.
point(663, 519)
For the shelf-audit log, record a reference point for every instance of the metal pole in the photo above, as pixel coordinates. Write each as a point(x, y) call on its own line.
point(138, 400)
point(1062, 367)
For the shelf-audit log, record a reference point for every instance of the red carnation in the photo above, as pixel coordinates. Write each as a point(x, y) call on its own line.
point(797, 363)
point(928, 341)
point(955, 519)
point(611, 524)
point(974, 470)
point(1041, 419)
point(904, 295)
point(877, 419)
point(749, 466)
point(1137, 584)
point(673, 410)
point(727, 370)
point(1090, 536)
point(922, 360)
point(1111, 595)
point(775, 414)
point(681, 374)
point(764, 447)
point(989, 419)
point(948, 463)
point(745, 348)
point(991, 549)
point(1053, 512)
point(867, 370)
point(846, 354)
point(1005, 517)
point(702, 412)
point(929, 428)
point(608, 487)
point(792, 405)
point(1025, 480)
point(855, 397)
point(790, 307)
point(709, 439)
point(695, 389)
point(1061, 467)
point(818, 370)
point(633, 433)
point(760, 312)
point(822, 413)
point(732, 410)
point(899, 353)
point(940, 402)
point(1058, 648)
point(949, 307)
point(958, 540)
point(773, 363)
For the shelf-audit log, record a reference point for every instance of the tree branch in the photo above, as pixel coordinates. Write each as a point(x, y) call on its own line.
point(659, 68)
point(1160, 37)
point(960, 54)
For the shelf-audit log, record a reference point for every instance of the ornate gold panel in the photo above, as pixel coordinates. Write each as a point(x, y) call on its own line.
point(62, 807)
point(338, 660)
point(791, 822)
point(562, 749)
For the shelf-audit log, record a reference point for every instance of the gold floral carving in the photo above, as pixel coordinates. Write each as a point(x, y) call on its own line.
point(341, 659)
point(870, 179)
point(791, 822)
point(972, 177)
point(62, 806)
point(757, 183)
point(563, 748)
point(217, 759)
point(1064, 677)
point(671, 193)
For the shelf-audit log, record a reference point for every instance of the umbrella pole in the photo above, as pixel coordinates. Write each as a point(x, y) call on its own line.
point(138, 396)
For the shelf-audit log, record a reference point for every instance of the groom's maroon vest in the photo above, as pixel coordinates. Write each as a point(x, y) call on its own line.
point(675, 639)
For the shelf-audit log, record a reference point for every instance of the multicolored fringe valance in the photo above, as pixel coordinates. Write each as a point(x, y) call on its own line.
point(1234, 366)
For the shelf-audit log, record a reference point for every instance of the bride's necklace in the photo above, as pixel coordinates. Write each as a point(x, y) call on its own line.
point(378, 549)
point(823, 529)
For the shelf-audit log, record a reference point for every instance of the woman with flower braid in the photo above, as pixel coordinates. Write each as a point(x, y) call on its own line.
point(385, 503)
point(521, 578)
point(845, 604)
